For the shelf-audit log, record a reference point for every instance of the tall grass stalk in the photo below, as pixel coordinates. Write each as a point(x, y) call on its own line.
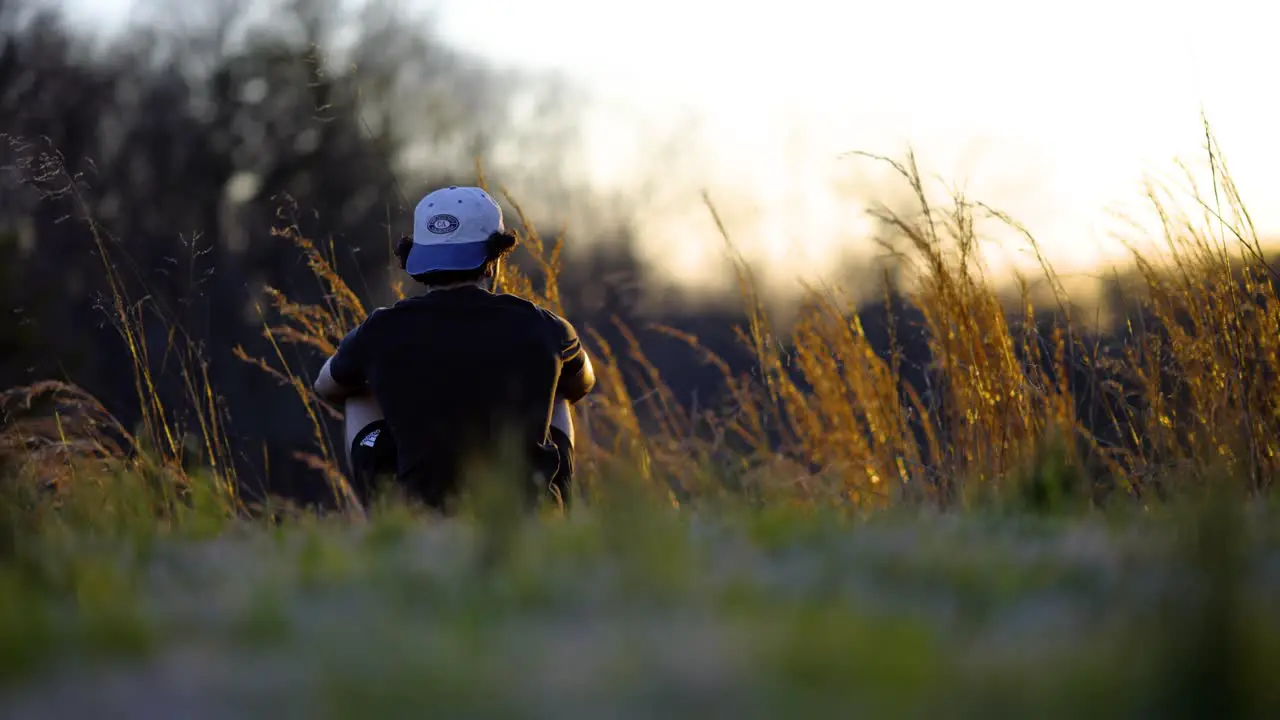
point(57, 439)
point(1189, 388)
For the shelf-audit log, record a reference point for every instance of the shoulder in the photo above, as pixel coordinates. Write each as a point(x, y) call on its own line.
point(519, 304)
point(546, 315)
point(398, 310)
point(558, 321)
point(369, 326)
point(377, 315)
point(561, 329)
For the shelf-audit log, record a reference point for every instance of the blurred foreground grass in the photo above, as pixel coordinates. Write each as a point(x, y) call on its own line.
point(1041, 526)
point(635, 609)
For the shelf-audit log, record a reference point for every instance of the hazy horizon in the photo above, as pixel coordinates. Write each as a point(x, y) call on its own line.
point(1053, 113)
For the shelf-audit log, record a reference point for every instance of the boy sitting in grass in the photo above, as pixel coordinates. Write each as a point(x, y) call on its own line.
point(459, 374)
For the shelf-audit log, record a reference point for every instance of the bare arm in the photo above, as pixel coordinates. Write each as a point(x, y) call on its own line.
point(562, 418)
point(329, 389)
point(343, 375)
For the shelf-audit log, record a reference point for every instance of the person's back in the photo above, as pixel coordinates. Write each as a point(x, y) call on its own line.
point(459, 372)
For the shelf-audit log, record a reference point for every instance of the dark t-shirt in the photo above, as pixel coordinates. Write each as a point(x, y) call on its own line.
point(455, 368)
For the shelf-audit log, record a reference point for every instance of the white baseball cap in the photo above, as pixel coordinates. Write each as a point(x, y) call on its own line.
point(451, 229)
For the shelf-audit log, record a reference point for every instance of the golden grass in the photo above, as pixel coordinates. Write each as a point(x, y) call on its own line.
point(1191, 392)
point(59, 435)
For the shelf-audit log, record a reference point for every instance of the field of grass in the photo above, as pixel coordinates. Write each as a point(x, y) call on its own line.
point(830, 540)
point(638, 610)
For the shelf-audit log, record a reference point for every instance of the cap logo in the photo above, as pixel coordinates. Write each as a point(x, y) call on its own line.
point(442, 224)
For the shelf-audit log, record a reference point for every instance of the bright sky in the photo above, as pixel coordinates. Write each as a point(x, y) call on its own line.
point(1052, 111)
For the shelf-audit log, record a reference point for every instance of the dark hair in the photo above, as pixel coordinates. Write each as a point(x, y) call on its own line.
point(500, 245)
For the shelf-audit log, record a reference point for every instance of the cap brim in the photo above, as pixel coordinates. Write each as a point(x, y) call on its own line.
point(454, 256)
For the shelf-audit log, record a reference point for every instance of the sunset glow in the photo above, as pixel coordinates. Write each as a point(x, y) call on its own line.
point(1053, 112)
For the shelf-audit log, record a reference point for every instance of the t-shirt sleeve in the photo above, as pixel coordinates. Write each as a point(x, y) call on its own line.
point(577, 377)
point(348, 364)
